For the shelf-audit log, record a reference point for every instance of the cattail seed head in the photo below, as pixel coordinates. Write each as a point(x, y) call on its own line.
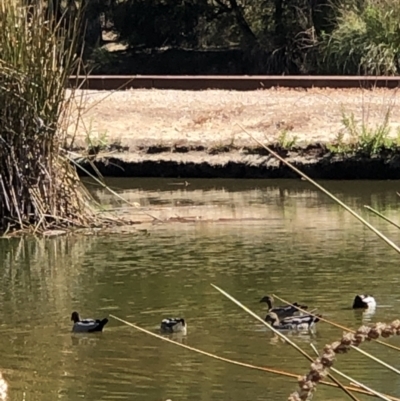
point(319, 368)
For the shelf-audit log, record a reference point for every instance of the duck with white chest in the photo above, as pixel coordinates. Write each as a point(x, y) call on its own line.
point(174, 325)
point(364, 302)
point(87, 325)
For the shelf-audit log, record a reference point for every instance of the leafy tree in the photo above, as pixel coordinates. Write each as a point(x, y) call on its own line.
point(157, 23)
point(273, 36)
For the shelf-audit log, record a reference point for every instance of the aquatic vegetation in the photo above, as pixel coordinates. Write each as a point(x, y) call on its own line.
point(40, 188)
point(360, 390)
point(39, 51)
point(96, 142)
point(320, 367)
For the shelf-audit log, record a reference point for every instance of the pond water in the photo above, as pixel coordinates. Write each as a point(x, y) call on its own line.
point(279, 237)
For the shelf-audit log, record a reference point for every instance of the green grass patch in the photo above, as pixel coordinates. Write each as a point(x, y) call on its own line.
point(364, 138)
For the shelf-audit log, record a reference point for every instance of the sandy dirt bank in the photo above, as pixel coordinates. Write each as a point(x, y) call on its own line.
point(142, 117)
point(172, 133)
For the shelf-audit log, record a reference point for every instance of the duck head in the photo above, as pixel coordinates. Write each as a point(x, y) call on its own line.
point(75, 317)
point(268, 300)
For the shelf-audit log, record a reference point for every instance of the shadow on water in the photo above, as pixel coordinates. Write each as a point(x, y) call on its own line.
point(305, 249)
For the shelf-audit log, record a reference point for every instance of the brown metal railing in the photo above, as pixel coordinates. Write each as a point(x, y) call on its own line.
point(230, 82)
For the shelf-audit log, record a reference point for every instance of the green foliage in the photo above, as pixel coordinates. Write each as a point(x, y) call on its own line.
point(368, 139)
point(35, 62)
point(100, 58)
point(274, 40)
point(156, 23)
point(275, 36)
point(38, 52)
point(339, 146)
point(96, 142)
point(362, 137)
point(365, 40)
point(286, 141)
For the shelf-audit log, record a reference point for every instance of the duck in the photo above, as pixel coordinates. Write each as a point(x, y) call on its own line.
point(296, 323)
point(282, 311)
point(174, 325)
point(364, 302)
point(87, 325)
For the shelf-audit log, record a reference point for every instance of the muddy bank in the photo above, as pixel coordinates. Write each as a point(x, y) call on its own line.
point(230, 162)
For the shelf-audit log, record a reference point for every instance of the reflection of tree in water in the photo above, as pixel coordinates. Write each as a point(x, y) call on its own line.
point(41, 281)
point(36, 270)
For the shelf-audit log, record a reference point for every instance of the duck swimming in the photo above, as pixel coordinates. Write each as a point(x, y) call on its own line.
point(87, 325)
point(297, 323)
point(364, 302)
point(282, 311)
point(174, 325)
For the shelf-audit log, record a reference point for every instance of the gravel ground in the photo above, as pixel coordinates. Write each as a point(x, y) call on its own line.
point(143, 117)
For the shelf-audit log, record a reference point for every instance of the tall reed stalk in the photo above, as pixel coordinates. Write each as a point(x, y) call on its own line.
point(38, 53)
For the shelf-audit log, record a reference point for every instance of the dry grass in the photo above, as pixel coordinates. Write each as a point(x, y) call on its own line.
point(168, 117)
point(39, 189)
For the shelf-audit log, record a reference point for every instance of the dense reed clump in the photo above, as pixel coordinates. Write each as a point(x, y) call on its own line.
point(38, 52)
point(365, 39)
point(320, 367)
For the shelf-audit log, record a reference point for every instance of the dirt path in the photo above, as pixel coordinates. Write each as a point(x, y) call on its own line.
point(210, 118)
